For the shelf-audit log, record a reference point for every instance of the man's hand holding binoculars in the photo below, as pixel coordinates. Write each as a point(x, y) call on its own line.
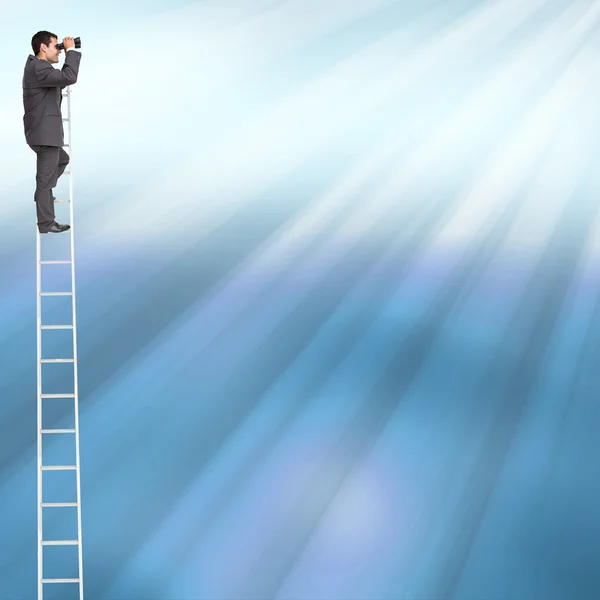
point(69, 42)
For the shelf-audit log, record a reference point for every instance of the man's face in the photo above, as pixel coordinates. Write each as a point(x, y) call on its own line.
point(52, 52)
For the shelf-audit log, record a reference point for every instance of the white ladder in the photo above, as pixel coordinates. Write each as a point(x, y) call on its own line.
point(43, 398)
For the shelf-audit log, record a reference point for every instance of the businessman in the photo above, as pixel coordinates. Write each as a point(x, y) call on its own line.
point(44, 133)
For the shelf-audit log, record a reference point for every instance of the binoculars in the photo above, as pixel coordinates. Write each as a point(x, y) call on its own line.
point(77, 44)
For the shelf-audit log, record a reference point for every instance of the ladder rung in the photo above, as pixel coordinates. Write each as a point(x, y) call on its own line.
point(59, 504)
point(60, 580)
point(58, 395)
point(58, 360)
point(57, 326)
point(60, 543)
point(58, 431)
point(55, 262)
point(56, 293)
point(60, 468)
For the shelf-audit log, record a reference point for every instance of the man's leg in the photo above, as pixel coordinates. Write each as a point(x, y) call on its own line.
point(46, 178)
point(63, 161)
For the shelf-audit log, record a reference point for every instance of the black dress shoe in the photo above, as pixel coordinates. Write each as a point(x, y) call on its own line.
point(56, 228)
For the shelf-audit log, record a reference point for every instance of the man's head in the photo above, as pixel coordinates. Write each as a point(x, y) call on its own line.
point(43, 44)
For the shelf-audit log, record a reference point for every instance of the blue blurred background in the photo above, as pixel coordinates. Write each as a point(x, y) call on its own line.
point(338, 269)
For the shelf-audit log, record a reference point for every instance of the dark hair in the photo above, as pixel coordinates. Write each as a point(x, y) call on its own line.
point(41, 37)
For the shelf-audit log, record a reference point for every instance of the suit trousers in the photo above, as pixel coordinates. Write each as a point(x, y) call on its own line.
point(51, 163)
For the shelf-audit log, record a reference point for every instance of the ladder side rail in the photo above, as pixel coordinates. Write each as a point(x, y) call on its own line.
point(75, 369)
point(39, 415)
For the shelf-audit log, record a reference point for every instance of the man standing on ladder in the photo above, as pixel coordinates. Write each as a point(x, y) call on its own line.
point(44, 133)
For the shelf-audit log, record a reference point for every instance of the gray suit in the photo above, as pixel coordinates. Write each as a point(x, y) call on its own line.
point(44, 132)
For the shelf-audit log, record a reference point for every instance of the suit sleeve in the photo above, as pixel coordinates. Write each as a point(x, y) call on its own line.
point(48, 76)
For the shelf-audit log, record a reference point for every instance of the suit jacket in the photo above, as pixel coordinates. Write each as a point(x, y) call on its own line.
point(42, 98)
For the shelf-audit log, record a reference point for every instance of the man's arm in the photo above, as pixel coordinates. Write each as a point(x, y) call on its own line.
point(64, 85)
point(48, 76)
